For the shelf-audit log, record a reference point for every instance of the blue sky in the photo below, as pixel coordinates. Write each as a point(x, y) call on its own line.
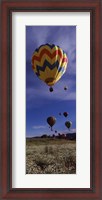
point(40, 103)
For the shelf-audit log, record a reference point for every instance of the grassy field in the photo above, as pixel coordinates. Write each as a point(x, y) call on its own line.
point(50, 156)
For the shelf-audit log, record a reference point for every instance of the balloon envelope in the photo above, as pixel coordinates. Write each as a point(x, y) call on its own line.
point(51, 121)
point(65, 114)
point(49, 62)
point(68, 124)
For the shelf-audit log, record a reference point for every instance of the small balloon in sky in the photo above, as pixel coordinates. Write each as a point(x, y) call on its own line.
point(51, 121)
point(68, 124)
point(65, 114)
point(65, 88)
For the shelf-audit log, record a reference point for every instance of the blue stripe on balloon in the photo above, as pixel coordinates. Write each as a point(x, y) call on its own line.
point(50, 45)
point(46, 64)
point(51, 67)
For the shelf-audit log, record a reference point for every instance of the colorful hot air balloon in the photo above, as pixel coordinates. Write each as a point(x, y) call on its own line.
point(68, 124)
point(51, 121)
point(49, 63)
point(65, 114)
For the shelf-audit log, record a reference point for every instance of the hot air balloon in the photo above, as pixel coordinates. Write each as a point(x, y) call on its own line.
point(68, 124)
point(59, 113)
point(49, 62)
point(65, 114)
point(51, 121)
point(65, 88)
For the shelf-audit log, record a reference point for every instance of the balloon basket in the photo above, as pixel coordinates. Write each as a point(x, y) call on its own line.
point(51, 89)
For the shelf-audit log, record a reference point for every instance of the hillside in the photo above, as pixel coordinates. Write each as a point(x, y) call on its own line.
point(50, 156)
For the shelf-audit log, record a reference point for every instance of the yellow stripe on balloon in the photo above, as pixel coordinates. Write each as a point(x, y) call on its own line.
point(58, 76)
point(47, 73)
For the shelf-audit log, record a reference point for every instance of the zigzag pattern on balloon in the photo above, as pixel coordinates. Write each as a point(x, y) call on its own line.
point(60, 62)
point(51, 76)
point(48, 49)
point(38, 51)
point(51, 46)
point(51, 67)
point(48, 73)
point(46, 57)
point(39, 57)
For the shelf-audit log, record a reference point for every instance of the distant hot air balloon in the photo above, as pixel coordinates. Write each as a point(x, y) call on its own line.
point(51, 121)
point(65, 114)
point(65, 88)
point(49, 63)
point(68, 124)
point(59, 113)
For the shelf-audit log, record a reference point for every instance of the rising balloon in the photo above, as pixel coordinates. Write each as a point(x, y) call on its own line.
point(51, 121)
point(49, 62)
point(65, 114)
point(68, 124)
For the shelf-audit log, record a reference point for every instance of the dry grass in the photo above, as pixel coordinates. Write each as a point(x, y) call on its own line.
point(50, 156)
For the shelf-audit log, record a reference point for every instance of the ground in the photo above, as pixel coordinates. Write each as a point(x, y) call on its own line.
point(50, 156)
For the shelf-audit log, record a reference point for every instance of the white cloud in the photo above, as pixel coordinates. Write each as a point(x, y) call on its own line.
point(73, 130)
point(70, 131)
point(38, 127)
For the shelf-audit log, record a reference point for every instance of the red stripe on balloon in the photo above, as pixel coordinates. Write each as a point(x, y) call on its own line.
point(65, 60)
point(45, 51)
